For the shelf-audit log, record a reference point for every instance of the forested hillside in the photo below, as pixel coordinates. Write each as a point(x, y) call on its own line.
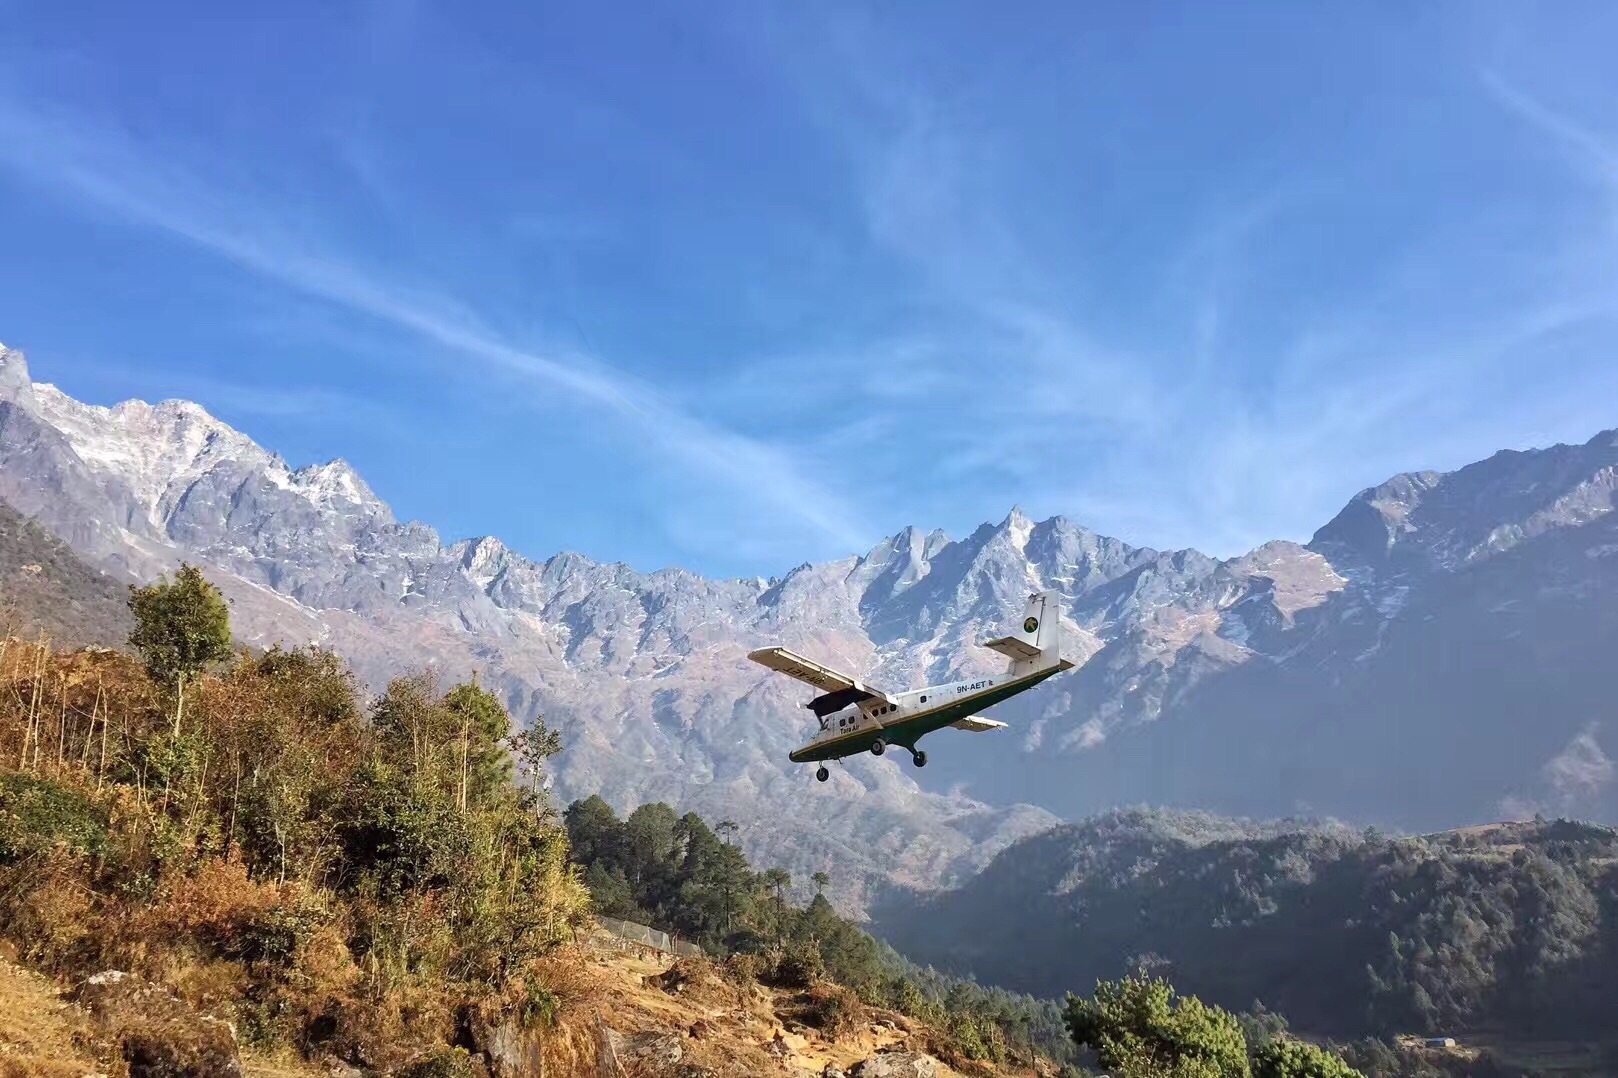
point(201, 834)
point(340, 878)
point(676, 872)
point(1512, 928)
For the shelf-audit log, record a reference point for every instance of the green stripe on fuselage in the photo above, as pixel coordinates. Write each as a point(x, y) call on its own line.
point(906, 732)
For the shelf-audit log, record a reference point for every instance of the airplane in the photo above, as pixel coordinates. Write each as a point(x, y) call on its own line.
point(855, 717)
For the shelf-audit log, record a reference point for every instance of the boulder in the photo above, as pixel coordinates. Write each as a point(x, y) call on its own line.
point(157, 1035)
point(896, 1065)
point(652, 1051)
point(645, 1055)
point(508, 1050)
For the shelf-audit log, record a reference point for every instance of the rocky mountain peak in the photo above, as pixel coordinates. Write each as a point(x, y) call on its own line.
point(482, 559)
point(336, 483)
point(1418, 521)
point(1018, 526)
point(15, 385)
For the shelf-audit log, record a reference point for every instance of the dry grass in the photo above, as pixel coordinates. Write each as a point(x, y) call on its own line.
point(833, 1010)
point(40, 1034)
point(280, 1065)
point(729, 1030)
point(745, 1029)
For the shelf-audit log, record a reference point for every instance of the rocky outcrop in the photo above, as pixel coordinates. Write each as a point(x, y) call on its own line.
point(896, 1065)
point(155, 1033)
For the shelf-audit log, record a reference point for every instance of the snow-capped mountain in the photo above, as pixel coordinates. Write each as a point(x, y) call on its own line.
point(1208, 682)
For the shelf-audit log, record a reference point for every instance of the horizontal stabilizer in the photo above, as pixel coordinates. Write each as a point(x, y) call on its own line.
point(977, 724)
point(1013, 648)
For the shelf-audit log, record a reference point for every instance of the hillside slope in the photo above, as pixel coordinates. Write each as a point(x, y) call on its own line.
point(1511, 928)
point(46, 588)
point(630, 1013)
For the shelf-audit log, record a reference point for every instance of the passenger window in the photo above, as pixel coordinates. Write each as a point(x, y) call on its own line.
point(924, 699)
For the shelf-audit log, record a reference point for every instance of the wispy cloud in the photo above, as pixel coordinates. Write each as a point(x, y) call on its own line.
point(106, 168)
point(1592, 152)
point(1220, 419)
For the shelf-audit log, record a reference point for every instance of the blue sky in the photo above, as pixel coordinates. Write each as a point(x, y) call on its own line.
point(739, 285)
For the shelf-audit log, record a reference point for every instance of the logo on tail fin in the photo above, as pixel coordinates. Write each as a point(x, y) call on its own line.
point(1031, 625)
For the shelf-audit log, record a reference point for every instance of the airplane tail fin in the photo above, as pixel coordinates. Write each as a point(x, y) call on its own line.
point(1035, 642)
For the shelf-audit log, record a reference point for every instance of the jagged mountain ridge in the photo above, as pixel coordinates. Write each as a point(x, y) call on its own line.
point(1443, 664)
point(646, 672)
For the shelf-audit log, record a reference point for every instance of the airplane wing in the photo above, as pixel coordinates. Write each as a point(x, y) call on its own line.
point(1013, 648)
point(838, 690)
point(807, 671)
point(977, 724)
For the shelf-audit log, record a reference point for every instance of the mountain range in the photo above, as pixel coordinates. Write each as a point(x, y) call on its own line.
point(1436, 655)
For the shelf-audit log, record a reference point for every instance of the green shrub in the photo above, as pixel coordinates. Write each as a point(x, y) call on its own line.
point(275, 935)
point(37, 815)
point(1287, 1058)
point(1138, 1027)
point(834, 1010)
point(538, 1008)
point(795, 965)
point(744, 969)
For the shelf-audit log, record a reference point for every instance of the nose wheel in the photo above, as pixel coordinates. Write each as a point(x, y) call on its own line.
point(878, 747)
point(822, 774)
point(918, 758)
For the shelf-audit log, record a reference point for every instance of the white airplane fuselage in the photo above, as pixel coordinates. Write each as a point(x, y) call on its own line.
point(918, 712)
point(855, 717)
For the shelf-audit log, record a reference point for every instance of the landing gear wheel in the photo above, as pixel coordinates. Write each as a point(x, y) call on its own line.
point(918, 758)
point(878, 747)
point(822, 774)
